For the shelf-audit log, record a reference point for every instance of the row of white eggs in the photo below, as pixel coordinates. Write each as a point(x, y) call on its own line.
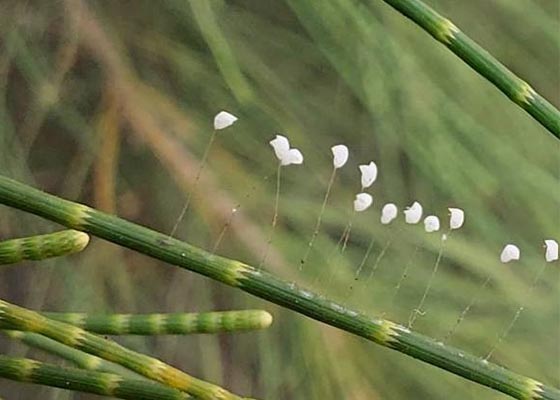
point(413, 214)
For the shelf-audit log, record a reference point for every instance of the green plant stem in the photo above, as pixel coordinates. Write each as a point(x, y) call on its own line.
point(77, 357)
point(167, 324)
point(27, 370)
point(42, 246)
point(18, 318)
point(444, 31)
point(268, 287)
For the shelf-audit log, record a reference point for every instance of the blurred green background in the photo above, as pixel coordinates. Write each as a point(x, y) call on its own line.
point(111, 103)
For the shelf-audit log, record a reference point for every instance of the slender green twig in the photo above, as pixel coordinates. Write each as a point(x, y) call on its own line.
point(444, 31)
point(77, 357)
point(167, 324)
point(27, 370)
point(42, 246)
point(18, 318)
point(268, 287)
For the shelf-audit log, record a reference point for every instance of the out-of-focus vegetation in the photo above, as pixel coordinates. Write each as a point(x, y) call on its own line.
point(111, 104)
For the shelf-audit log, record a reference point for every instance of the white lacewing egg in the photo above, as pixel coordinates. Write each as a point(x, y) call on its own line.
point(340, 155)
point(281, 147)
point(431, 223)
point(510, 253)
point(457, 218)
point(362, 202)
point(224, 119)
point(413, 213)
point(293, 156)
point(388, 213)
point(551, 253)
point(369, 174)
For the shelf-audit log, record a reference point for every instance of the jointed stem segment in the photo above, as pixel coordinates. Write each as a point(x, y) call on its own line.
point(26, 370)
point(167, 324)
point(14, 317)
point(267, 286)
point(519, 91)
point(77, 357)
point(42, 246)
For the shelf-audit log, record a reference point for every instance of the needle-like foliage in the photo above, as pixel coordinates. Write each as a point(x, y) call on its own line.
point(251, 280)
point(102, 383)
